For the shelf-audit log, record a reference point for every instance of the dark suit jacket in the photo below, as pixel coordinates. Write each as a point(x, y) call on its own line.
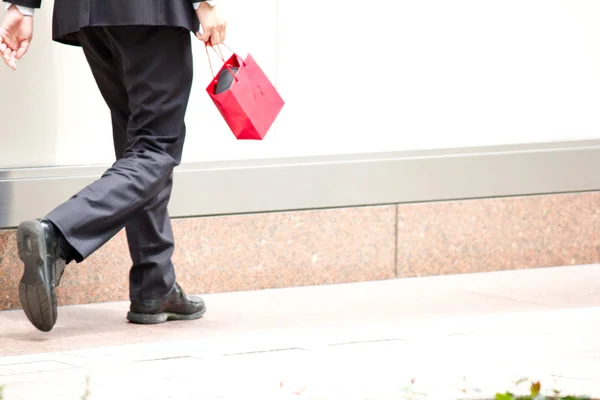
point(72, 15)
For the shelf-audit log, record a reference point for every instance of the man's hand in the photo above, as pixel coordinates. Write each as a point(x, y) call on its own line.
point(16, 33)
point(213, 24)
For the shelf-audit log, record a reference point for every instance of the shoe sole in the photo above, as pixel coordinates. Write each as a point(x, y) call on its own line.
point(150, 319)
point(37, 297)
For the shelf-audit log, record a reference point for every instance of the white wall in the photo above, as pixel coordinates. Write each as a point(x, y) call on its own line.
point(356, 78)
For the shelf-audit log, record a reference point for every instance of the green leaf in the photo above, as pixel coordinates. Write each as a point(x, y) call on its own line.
point(504, 396)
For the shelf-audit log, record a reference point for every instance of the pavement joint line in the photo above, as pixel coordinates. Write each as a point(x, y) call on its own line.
point(414, 327)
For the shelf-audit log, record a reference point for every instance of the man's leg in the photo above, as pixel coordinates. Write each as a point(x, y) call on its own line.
point(149, 233)
point(151, 245)
point(155, 65)
point(36, 288)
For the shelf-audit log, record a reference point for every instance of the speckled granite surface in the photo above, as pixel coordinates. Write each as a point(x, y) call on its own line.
point(498, 234)
point(246, 252)
point(232, 253)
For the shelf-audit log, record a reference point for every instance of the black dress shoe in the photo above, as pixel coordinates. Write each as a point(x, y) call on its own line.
point(175, 306)
point(37, 241)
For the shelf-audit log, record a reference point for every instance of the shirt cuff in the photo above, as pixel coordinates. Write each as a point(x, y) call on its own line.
point(24, 10)
point(210, 2)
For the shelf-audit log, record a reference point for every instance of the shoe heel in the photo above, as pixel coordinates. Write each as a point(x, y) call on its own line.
point(146, 319)
point(40, 308)
point(37, 300)
point(32, 251)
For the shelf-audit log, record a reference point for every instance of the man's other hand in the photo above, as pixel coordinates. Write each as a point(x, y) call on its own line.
point(213, 24)
point(16, 33)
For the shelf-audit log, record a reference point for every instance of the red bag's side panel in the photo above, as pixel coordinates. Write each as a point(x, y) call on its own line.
point(226, 103)
point(232, 112)
point(257, 96)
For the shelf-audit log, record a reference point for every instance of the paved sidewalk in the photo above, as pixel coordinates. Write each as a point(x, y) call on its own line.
point(464, 336)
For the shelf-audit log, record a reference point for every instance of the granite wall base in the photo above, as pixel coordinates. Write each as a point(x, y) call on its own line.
point(283, 249)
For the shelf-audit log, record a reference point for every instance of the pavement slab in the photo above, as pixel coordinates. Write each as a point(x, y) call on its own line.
point(447, 337)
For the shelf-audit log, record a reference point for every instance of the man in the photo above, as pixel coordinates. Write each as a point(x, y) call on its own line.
point(139, 52)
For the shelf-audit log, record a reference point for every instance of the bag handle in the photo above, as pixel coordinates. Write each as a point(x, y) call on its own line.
point(220, 55)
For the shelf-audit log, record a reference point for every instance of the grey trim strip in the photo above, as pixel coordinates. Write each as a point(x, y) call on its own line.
point(248, 186)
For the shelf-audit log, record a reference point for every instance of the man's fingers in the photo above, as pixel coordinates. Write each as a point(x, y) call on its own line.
point(218, 35)
point(212, 35)
point(8, 39)
point(7, 54)
point(22, 49)
point(215, 38)
point(222, 28)
point(9, 60)
point(9, 57)
point(223, 32)
point(200, 36)
point(205, 35)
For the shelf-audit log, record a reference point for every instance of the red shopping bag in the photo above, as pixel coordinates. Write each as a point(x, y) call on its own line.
point(244, 96)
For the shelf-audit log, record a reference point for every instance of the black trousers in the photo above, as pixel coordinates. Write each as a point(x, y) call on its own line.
point(145, 76)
